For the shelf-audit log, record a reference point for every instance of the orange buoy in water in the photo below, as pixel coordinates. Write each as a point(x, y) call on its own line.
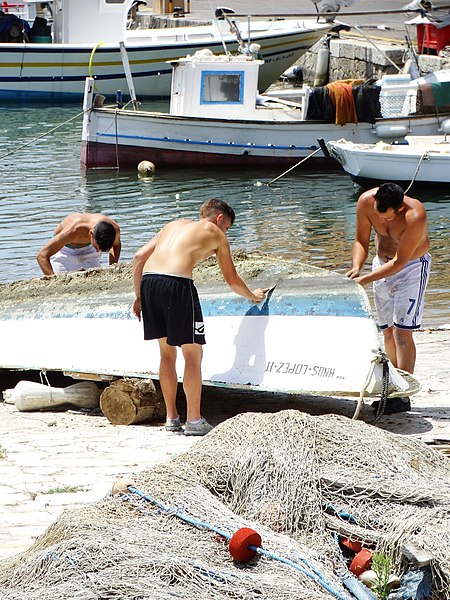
point(240, 542)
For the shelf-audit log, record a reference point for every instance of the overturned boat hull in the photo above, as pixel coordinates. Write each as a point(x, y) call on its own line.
point(313, 334)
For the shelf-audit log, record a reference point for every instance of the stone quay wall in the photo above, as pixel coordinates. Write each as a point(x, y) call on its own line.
point(354, 59)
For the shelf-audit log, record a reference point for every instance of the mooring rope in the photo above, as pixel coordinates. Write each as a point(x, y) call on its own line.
point(384, 390)
point(424, 155)
point(313, 573)
point(42, 135)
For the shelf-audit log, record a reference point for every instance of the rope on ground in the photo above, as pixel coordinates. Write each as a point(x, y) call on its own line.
point(77, 116)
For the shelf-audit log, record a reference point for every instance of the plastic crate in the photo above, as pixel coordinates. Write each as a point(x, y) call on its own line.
point(430, 37)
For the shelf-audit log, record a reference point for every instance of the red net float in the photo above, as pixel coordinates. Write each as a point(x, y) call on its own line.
point(240, 542)
point(361, 562)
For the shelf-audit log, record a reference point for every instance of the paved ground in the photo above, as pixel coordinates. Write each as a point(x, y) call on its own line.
point(50, 461)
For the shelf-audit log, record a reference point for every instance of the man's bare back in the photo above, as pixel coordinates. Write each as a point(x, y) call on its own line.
point(76, 227)
point(182, 244)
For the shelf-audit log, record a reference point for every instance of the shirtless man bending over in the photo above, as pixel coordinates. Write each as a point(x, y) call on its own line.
point(78, 242)
point(168, 301)
point(400, 270)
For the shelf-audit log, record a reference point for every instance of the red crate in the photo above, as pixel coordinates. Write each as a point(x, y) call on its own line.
point(430, 37)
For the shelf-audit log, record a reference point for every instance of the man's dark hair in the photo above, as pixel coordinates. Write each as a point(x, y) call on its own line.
point(388, 195)
point(213, 207)
point(104, 234)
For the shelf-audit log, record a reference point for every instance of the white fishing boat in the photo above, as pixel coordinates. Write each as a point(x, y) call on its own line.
point(314, 333)
point(83, 39)
point(423, 161)
point(218, 117)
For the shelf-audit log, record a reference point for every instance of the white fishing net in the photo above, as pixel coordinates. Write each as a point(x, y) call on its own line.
point(296, 479)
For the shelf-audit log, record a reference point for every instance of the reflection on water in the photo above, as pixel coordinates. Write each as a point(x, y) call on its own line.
point(306, 215)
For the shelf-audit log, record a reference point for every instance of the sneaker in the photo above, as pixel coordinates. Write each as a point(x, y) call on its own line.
point(173, 424)
point(201, 428)
point(393, 405)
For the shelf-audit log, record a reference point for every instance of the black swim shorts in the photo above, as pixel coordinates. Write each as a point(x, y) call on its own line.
point(171, 309)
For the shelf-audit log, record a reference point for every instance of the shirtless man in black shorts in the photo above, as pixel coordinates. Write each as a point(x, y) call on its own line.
point(162, 276)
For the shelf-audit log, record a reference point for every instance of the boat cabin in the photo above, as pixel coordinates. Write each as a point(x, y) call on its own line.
point(211, 86)
point(77, 21)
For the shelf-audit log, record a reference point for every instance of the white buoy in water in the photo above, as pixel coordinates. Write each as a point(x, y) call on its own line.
point(146, 168)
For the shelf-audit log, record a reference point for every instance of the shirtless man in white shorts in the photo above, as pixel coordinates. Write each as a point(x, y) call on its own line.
point(400, 270)
point(168, 301)
point(78, 242)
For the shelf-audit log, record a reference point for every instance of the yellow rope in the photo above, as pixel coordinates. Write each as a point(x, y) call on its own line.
point(91, 60)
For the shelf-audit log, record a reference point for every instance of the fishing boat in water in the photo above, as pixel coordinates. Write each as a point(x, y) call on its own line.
point(420, 161)
point(49, 61)
point(218, 117)
point(314, 333)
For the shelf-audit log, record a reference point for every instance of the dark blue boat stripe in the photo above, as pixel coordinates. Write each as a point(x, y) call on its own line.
point(202, 143)
point(83, 77)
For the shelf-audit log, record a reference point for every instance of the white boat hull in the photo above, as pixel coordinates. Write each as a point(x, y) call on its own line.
point(55, 72)
point(424, 161)
point(123, 138)
point(311, 335)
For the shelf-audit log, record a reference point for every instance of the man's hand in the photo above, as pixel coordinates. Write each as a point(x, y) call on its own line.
point(353, 273)
point(137, 308)
point(260, 294)
point(361, 280)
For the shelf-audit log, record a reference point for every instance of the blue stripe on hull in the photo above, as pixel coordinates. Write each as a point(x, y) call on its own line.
point(333, 305)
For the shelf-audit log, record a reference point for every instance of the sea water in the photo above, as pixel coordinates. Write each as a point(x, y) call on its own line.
point(307, 214)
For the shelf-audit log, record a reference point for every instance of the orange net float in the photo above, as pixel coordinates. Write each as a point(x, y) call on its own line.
point(361, 562)
point(243, 544)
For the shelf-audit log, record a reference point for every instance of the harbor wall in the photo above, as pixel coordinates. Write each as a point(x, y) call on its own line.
point(355, 59)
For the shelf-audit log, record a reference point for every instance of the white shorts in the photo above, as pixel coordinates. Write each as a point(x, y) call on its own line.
point(399, 298)
point(75, 259)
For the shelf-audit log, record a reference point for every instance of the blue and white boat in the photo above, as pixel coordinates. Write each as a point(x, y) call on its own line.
point(218, 117)
point(84, 40)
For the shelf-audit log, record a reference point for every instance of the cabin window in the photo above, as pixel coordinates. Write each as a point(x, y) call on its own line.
point(222, 87)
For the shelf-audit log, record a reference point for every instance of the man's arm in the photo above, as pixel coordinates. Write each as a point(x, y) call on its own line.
point(360, 248)
point(114, 253)
point(139, 260)
point(416, 222)
point(51, 248)
point(231, 276)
